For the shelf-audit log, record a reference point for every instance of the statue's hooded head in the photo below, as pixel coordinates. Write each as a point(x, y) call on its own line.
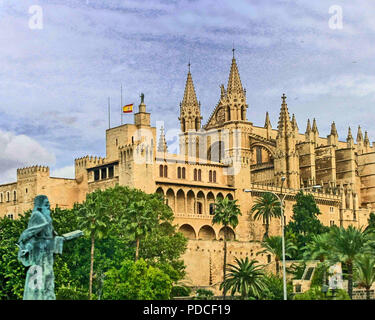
point(41, 202)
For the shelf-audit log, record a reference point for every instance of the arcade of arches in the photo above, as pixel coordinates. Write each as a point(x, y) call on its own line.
point(188, 203)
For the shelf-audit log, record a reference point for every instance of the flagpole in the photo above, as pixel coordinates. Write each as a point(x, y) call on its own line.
point(109, 113)
point(121, 104)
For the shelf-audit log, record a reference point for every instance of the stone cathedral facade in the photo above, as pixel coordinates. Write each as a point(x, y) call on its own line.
point(228, 156)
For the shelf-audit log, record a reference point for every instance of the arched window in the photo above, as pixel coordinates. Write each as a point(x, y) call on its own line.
point(199, 207)
point(199, 175)
point(195, 174)
point(210, 176)
point(1, 197)
point(8, 196)
point(214, 176)
point(228, 112)
point(179, 173)
point(183, 173)
point(160, 170)
point(165, 171)
point(14, 195)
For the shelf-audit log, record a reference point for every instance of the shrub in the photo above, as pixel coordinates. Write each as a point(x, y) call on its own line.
point(180, 291)
point(204, 294)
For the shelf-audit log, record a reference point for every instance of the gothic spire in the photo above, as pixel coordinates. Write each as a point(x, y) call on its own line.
point(267, 123)
point(190, 98)
point(350, 139)
point(190, 113)
point(315, 127)
point(294, 123)
point(234, 81)
point(162, 145)
point(308, 127)
point(366, 141)
point(284, 118)
point(333, 129)
point(359, 134)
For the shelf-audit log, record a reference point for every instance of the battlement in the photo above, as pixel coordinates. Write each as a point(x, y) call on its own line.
point(89, 161)
point(21, 172)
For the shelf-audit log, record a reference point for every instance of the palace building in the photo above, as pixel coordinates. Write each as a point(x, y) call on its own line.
point(228, 156)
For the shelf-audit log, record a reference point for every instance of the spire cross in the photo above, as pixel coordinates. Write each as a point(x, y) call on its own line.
point(233, 50)
point(189, 65)
point(283, 97)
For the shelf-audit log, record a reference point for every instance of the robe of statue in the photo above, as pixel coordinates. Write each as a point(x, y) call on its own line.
point(37, 245)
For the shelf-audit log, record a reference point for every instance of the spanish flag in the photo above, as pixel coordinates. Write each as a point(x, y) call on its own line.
point(128, 108)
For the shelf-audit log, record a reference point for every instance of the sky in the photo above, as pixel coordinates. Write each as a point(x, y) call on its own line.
point(61, 60)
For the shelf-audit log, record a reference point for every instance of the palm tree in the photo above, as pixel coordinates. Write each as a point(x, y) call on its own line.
point(93, 218)
point(347, 245)
point(246, 278)
point(364, 272)
point(318, 248)
point(141, 218)
point(273, 245)
point(226, 213)
point(266, 207)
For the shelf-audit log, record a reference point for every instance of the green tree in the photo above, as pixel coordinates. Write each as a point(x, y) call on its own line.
point(275, 288)
point(246, 278)
point(266, 207)
point(273, 245)
point(136, 281)
point(371, 223)
point(163, 248)
point(304, 221)
point(346, 246)
point(226, 213)
point(364, 272)
point(94, 220)
point(319, 248)
point(12, 272)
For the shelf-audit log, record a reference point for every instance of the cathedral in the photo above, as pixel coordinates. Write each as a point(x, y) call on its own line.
point(227, 156)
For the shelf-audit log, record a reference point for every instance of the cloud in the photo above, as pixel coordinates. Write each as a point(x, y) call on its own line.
point(65, 172)
point(20, 151)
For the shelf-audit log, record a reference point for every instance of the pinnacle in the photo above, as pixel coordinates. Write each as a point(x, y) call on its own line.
point(350, 137)
point(315, 127)
point(190, 98)
point(333, 129)
point(359, 134)
point(234, 81)
point(267, 123)
point(162, 145)
point(284, 118)
point(367, 141)
point(308, 127)
point(294, 123)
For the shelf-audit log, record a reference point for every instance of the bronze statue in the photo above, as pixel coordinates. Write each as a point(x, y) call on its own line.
point(37, 244)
